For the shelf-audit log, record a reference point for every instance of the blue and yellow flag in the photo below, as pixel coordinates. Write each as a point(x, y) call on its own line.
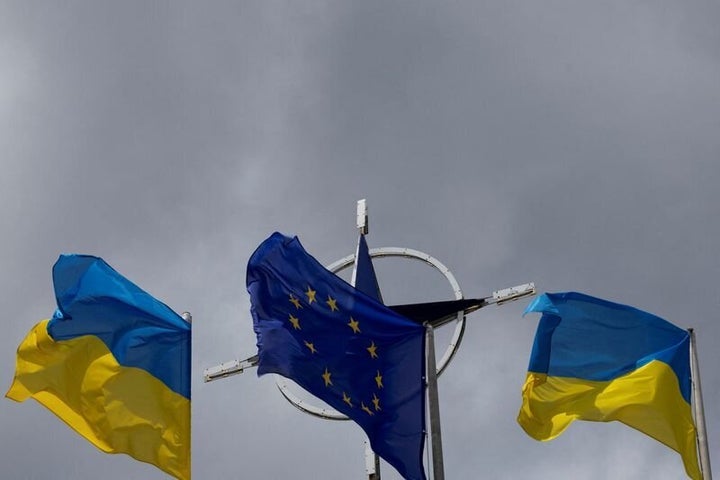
point(342, 346)
point(113, 363)
point(601, 361)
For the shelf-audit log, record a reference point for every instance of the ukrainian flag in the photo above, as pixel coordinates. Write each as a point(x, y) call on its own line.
point(113, 363)
point(600, 361)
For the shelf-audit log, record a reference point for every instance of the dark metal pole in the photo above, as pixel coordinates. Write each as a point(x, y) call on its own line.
point(433, 405)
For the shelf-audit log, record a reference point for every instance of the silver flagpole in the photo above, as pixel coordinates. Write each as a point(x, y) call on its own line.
point(699, 410)
point(433, 404)
point(187, 316)
point(372, 461)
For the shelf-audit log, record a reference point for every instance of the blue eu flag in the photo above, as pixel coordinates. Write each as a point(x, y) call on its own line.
point(342, 346)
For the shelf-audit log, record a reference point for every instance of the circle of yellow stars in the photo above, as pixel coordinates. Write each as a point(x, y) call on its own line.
point(310, 294)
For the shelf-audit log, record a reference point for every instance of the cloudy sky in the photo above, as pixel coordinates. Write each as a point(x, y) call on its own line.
point(570, 143)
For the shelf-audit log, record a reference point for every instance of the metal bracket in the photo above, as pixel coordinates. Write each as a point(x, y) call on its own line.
point(513, 293)
point(227, 369)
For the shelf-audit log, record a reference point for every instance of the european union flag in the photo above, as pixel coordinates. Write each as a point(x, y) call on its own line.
point(342, 346)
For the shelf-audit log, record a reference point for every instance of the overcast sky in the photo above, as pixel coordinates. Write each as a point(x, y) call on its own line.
point(570, 143)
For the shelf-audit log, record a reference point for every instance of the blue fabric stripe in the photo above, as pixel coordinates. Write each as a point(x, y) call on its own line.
point(583, 337)
point(139, 330)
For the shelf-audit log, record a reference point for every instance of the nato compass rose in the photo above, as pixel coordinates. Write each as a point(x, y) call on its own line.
point(368, 403)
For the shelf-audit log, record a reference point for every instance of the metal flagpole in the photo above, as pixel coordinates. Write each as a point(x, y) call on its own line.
point(433, 404)
point(187, 316)
point(372, 461)
point(699, 410)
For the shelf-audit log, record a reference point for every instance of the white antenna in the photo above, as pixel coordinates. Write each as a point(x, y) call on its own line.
point(362, 217)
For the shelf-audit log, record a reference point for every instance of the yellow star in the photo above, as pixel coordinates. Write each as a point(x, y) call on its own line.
point(326, 377)
point(355, 325)
point(378, 379)
point(332, 303)
point(295, 322)
point(376, 402)
point(310, 346)
point(373, 350)
point(347, 400)
point(295, 301)
point(364, 408)
point(310, 294)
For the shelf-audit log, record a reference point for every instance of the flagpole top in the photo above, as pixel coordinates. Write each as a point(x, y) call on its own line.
point(362, 217)
point(186, 316)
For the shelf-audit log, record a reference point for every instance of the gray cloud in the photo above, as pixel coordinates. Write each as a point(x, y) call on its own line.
point(568, 143)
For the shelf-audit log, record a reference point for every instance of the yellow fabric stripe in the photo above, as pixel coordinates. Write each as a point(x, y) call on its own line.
point(118, 409)
point(647, 399)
